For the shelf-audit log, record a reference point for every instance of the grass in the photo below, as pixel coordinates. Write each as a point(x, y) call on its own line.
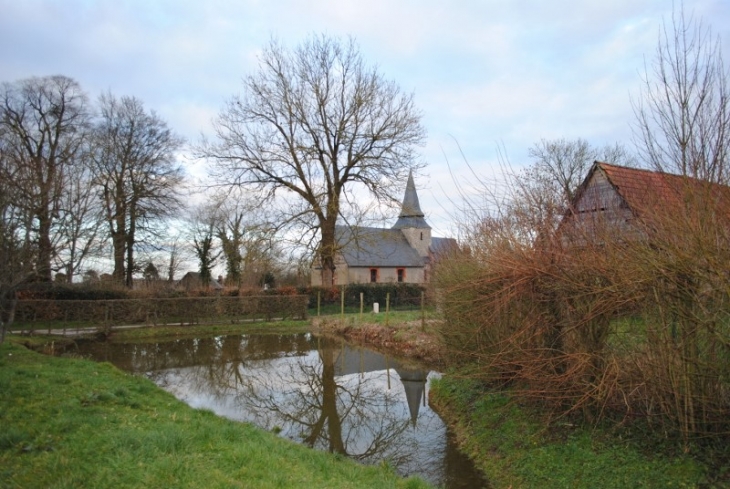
point(393, 316)
point(41, 326)
point(198, 330)
point(70, 423)
point(514, 449)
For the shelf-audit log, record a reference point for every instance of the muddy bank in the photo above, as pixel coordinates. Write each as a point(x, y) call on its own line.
point(407, 339)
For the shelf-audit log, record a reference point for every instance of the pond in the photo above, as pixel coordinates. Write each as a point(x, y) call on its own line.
point(318, 391)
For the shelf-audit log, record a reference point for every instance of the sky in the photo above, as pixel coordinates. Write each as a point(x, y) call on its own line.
point(491, 77)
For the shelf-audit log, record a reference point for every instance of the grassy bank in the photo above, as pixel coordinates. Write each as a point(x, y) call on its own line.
point(199, 330)
point(81, 424)
point(76, 423)
point(511, 445)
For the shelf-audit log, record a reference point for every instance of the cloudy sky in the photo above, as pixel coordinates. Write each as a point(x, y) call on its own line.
point(489, 75)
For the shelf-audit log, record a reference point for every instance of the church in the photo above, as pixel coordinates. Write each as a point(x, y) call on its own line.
point(404, 253)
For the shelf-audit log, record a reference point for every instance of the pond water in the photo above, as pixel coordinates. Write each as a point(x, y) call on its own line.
point(317, 391)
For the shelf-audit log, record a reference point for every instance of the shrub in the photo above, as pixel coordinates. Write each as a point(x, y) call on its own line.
point(68, 292)
point(614, 327)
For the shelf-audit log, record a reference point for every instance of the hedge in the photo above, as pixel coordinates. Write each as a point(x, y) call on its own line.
point(402, 295)
point(162, 311)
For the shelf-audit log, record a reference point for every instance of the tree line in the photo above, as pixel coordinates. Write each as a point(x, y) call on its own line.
point(314, 133)
point(74, 176)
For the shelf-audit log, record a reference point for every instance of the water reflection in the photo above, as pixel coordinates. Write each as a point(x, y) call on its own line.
point(317, 391)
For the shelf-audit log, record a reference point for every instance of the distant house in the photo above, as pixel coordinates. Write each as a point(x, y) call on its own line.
point(616, 202)
point(192, 281)
point(404, 253)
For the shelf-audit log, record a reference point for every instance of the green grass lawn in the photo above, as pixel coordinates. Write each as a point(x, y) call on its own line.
point(514, 448)
point(71, 423)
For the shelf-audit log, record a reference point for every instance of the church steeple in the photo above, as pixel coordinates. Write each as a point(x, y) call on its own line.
point(411, 222)
point(411, 215)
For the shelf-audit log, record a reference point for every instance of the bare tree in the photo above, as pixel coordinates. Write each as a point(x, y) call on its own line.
point(80, 222)
point(231, 232)
point(542, 191)
point(175, 260)
point(204, 246)
point(136, 173)
point(232, 216)
point(683, 113)
point(247, 242)
point(314, 126)
point(17, 255)
point(44, 123)
point(559, 166)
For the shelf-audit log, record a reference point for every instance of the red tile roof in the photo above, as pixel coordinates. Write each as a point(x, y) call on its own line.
point(648, 191)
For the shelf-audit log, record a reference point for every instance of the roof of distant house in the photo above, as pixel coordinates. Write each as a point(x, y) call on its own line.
point(646, 191)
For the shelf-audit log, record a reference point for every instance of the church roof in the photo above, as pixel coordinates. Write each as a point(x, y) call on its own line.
point(411, 215)
point(376, 247)
point(440, 246)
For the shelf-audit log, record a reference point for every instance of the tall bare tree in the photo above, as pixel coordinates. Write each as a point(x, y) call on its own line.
point(683, 113)
point(17, 254)
point(560, 164)
point(246, 241)
point(542, 191)
point(313, 126)
point(203, 223)
point(80, 222)
point(175, 258)
point(43, 123)
point(231, 230)
point(136, 173)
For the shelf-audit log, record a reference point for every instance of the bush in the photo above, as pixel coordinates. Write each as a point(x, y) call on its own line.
point(72, 292)
point(162, 310)
point(402, 296)
point(613, 327)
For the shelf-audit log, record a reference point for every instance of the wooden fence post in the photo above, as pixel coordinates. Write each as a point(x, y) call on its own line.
point(423, 311)
point(361, 305)
point(342, 305)
point(387, 308)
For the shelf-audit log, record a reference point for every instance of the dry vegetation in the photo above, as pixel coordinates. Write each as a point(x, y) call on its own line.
point(401, 337)
point(623, 311)
point(613, 327)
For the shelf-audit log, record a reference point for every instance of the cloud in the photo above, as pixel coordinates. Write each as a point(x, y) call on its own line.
point(486, 73)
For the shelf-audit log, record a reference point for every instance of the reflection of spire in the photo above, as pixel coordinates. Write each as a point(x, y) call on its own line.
point(414, 383)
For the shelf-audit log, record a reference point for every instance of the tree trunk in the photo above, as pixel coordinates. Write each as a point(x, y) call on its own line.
point(45, 247)
point(119, 242)
point(327, 250)
point(329, 401)
point(129, 271)
point(8, 301)
point(130, 244)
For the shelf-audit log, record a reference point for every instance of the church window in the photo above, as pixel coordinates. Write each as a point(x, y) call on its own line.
point(401, 274)
point(373, 275)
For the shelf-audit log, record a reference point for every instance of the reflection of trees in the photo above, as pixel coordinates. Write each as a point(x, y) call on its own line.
point(294, 383)
point(219, 360)
point(316, 391)
point(219, 364)
point(342, 414)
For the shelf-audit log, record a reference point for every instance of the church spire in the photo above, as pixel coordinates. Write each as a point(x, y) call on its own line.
point(411, 215)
